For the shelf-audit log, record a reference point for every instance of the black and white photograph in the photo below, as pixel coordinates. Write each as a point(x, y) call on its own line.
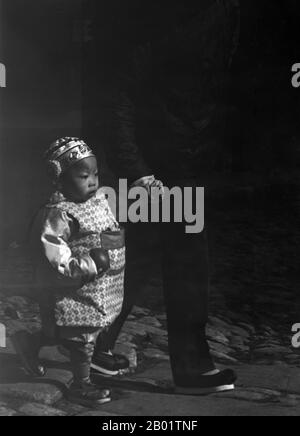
point(149, 210)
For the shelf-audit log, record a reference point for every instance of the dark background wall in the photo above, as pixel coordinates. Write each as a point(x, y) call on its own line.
point(43, 100)
point(60, 55)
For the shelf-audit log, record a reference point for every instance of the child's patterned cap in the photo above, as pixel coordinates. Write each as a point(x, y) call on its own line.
point(64, 153)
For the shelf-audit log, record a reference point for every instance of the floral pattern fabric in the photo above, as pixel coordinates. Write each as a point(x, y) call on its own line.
point(98, 302)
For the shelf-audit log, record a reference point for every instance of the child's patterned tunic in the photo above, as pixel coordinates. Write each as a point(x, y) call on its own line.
point(70, 230)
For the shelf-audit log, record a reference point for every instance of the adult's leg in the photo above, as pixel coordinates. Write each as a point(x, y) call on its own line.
point(186, 289)
point(186, 286)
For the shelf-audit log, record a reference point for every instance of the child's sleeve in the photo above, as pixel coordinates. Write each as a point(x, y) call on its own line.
point(56, 232)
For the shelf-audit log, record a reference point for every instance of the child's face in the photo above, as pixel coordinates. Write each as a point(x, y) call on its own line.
point(80, 182)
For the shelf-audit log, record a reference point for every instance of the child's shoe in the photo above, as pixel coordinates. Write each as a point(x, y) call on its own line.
point(89, 395)
point(27, 348)
point(109, 363)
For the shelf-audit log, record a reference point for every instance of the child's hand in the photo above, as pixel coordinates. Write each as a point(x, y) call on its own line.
point(101, 259)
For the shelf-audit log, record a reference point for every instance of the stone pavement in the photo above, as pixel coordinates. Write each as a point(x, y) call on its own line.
point(269, 382)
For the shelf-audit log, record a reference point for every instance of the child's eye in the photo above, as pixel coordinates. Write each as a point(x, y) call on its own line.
point(84, 176)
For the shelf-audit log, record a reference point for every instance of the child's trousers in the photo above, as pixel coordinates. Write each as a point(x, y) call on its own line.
point(80, 342)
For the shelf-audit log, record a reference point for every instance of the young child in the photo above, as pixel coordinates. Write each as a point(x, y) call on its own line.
point(81, 260)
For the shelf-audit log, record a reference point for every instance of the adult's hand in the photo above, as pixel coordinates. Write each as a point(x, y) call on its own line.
point(144, 182)
point(157, 185)
point(149, 182)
